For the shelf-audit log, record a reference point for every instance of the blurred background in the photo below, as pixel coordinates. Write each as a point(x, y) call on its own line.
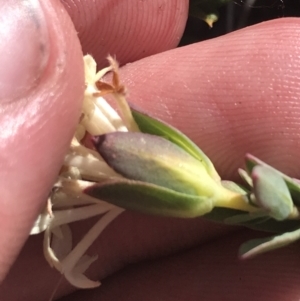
point(230, 15)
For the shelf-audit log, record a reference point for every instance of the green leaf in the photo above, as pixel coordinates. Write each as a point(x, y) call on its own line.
point(271, 192)
point(150, 199)
point(244, 175)
point(259, 246)
point(152, 159)
point(241, 219)
point(234, 187)
point(262, 224)
point(293, 185)
point(157, 127)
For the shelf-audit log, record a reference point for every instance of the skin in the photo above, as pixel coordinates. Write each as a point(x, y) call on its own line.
point(234, 94)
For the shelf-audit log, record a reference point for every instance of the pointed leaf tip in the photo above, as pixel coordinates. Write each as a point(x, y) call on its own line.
point(262, 245)
point(271, 192)
point(293, 185)
point(150, 199)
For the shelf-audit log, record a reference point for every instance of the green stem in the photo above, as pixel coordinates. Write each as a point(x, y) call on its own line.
point(234, 200)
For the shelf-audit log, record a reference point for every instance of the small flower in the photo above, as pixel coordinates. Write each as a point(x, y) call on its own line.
point(82, 167)
point(140, 163)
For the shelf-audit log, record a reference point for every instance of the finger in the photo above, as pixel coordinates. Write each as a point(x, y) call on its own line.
point(128, 29)
point(231, 95)
point(211, 272)
point(41, 91)
point(167, 96)
point(129, 239)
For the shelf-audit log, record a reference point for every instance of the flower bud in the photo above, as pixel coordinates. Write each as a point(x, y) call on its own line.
point(155, 160)
point(160, 178)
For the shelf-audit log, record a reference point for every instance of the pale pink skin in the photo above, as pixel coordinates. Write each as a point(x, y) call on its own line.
point(232, 95)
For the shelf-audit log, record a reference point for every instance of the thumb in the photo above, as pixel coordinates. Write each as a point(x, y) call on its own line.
point(41, 88)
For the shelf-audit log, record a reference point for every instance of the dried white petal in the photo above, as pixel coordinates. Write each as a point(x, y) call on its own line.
point(89, 167)
point(62, 244)
point(77, 214)
point(49, 253)
point(56, 231)
point(95, 121)
point(84, 263)
point(110, 114)
point(76, 277)
point(90, 68)
point(80, 280)
point(71, 260)
point(80, 132)
point(81, 166)
point(41, 223)
point(71, 172)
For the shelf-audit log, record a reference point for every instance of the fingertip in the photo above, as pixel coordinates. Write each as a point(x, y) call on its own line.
point(38, 121)
point(130, 30)
point(234, 94)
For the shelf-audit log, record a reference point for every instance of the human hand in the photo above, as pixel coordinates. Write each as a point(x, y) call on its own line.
point(232, 95)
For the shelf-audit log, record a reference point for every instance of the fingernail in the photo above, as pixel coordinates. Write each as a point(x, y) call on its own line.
point(24, 48)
